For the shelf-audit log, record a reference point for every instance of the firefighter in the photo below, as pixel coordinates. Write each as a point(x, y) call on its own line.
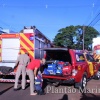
point(32, 69)
point(21, 63)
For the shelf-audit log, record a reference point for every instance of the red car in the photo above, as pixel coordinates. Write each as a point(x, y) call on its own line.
point(67, 66)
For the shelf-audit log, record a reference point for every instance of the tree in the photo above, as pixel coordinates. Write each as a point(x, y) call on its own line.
point(72, 36)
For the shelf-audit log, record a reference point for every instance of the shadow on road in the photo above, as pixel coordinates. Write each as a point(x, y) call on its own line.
point(27, 85)
point(65, 97)
point(1, 92)
point(44, 85)
point(89, 96)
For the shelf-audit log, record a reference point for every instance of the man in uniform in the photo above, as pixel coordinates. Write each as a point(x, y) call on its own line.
point(22, 62)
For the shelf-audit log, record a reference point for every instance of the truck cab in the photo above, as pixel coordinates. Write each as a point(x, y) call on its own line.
point(66, 66)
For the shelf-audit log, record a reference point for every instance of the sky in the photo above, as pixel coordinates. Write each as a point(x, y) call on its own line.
point(47, 15)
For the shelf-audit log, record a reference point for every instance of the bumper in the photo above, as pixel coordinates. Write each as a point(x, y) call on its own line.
point(62, 79)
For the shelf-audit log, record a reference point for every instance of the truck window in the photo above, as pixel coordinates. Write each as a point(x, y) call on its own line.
point(58, 55)
point(89, 57)
point(80, 57)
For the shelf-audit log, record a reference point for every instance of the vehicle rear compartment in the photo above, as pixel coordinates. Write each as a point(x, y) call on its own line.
point(58, 63)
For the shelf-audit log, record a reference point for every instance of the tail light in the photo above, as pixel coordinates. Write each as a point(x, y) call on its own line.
point(74, 72)
point(67, 70)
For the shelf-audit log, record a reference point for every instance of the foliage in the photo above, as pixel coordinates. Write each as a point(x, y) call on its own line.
point(73, 36)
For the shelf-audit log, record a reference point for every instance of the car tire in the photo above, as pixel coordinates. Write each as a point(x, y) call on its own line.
point(97, 76)
point(82, 84)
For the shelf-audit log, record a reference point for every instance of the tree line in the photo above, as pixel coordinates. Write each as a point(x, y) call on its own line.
point(72, 36)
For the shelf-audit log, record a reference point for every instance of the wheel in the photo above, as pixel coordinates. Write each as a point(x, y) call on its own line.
point(97, 76)
point(82, 84)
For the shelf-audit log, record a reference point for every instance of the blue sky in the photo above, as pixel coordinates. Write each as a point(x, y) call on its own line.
point(47, 15)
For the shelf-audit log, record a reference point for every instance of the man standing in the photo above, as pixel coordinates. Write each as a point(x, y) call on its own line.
point(32, 69)
point(22, 61)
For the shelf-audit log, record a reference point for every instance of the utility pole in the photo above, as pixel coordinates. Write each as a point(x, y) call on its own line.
point(83, 35)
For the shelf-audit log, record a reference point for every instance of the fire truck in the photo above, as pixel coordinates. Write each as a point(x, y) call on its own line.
point(30, 40)
point(96, 52)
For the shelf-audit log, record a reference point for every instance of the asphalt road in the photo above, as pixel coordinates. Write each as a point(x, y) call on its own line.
point(92, 92)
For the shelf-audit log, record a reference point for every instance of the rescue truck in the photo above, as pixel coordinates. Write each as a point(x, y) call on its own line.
point(96, 52)
point(30, 40)
point(69, 66)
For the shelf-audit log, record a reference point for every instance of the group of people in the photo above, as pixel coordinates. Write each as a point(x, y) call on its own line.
point(30, 68)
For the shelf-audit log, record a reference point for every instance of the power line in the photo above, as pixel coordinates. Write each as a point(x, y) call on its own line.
point(95, 20)
point(94, 9)
point(9, 26)
point(30, 6)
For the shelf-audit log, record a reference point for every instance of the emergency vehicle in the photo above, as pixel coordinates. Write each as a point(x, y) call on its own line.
point(30, 40)
point(69, 66)
point(96, 52)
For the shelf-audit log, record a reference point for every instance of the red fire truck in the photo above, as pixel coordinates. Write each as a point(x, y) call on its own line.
point(96, 52)
point(30, 40)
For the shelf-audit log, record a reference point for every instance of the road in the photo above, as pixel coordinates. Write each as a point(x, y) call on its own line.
point(63, 92)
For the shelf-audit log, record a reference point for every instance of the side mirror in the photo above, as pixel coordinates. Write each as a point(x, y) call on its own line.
point(97, 60)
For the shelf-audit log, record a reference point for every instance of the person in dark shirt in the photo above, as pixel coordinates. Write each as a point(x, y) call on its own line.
point(38, 84)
